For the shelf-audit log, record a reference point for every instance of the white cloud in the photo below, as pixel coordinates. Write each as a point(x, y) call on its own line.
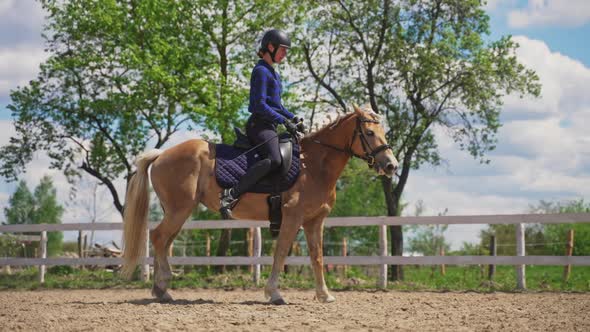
point(564, 81)
point(551, 12)
point(495, 4)
point(5, 6)
point(18, 66)
point(21, 22)
point(543, 150)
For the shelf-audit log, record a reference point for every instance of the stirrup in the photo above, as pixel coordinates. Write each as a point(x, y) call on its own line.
point(226, 203)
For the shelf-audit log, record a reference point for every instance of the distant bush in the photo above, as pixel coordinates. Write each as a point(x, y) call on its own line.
point(61, 270)
point(9, 246)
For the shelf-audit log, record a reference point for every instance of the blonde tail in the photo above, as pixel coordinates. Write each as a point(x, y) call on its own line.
point(135, 213)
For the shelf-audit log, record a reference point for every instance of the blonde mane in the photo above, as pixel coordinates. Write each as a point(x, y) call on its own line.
point(333, 124)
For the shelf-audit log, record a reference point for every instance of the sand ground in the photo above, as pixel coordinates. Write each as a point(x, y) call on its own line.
point(247, 310)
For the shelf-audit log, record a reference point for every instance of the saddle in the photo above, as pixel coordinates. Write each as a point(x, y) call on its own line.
point(232, 162)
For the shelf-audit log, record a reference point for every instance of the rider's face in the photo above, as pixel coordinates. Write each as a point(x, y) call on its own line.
point(281, 53)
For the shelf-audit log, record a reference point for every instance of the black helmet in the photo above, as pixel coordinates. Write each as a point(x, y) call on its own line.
point(276, 38)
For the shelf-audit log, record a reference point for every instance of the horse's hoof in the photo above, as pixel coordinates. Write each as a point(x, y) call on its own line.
point(161, 295)
point(326, 299)
point(278, 301)
point(166, 298)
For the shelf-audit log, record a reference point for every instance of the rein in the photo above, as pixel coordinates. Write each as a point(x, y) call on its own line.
point(369, 152)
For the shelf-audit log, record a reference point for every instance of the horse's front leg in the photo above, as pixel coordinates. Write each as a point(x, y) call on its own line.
point(314, 233)
point(288, 232)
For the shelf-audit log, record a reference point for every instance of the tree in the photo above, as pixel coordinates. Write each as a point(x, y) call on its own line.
point(20, 206)
point(423, 65)
point(48, 211)
point(555, 235)
point(428, 240)
point(121, 76)
point(39, 207)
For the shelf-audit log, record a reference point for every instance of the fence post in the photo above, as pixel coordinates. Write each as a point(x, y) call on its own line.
point(344, 254)
point(383, 253)
point(257, 253)
point(569, 250)
point(493, 252)
point(43, 244)
point(250, 240)
point(145, 266)
point(443, 270)
point(520, 269)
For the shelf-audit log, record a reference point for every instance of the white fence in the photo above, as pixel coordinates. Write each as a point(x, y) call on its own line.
point(383, 259)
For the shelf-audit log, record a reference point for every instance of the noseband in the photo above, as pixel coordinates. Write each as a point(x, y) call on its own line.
point(369, 152)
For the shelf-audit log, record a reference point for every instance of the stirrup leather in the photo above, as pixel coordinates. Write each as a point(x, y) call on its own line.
point(226, 203)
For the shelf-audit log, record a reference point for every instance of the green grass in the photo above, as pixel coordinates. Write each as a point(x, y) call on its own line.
point(425, 278)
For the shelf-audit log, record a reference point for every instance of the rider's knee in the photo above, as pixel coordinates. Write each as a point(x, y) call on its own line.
point(274, 162)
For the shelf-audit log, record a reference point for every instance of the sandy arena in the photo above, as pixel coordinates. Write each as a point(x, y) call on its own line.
point(246, 310)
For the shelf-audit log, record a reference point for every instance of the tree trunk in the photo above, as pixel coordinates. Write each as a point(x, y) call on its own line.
point(222, 248)
point(396, 272)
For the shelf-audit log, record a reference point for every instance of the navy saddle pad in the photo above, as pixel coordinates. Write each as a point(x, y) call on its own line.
point(232, 162)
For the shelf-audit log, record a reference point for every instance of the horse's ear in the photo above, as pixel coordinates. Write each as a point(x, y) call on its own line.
point(357, 110)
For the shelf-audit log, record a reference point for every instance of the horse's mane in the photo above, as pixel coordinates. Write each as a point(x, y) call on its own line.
point(341, 118)
point(331, 125)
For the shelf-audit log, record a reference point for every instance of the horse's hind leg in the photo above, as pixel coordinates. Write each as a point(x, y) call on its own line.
point(314, 230)
point(162, 238)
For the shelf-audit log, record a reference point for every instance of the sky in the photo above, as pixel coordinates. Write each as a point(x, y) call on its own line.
point(544, 145)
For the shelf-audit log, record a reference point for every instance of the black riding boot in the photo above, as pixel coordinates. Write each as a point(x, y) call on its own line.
point(229, 197)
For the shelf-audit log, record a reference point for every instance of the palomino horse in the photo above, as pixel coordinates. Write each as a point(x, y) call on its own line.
point(184, 176)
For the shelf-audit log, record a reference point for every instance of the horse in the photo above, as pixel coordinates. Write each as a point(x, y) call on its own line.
point(183, 176)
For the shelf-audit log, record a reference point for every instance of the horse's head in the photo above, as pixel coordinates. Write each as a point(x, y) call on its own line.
point(371, 144)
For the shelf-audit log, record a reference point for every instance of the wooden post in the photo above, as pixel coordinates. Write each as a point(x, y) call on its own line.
point(250, 239)
point(443, 270)
point(85, 246)
point(569, 250)
point(208, 245)
point(84, 249)
point(79, 244)
point(145, 266)
point(43, 244)
point(208, 248)
point(257, 253)
point(493, 252)
point(520, 251)
point(382, 253)
point(344, 253)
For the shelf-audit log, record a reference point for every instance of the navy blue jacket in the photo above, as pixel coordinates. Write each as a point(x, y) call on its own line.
point(265, 94)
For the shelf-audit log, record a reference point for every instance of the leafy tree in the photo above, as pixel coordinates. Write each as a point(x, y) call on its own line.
point(555, 235)
point(470, 249)
point(39, 207)
point(121, 76)
point(8, 245)
point(423, 65)
point(506, 239)
point(48, 211)
point(20, 206)
point(428, 240)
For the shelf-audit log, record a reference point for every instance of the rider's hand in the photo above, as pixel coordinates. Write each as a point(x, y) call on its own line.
point(291, 127)
point(299, 124)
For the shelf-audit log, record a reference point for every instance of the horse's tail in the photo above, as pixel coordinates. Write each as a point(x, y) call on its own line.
point(135, 214)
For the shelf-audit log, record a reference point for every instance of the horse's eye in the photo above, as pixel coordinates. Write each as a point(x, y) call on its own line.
point(370, 133)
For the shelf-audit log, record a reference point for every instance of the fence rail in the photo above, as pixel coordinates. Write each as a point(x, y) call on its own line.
point(383, 259)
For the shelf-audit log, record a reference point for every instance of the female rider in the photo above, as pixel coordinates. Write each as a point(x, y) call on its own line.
point(267, 112)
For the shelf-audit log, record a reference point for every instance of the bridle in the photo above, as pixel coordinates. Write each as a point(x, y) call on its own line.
point(369, 152)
